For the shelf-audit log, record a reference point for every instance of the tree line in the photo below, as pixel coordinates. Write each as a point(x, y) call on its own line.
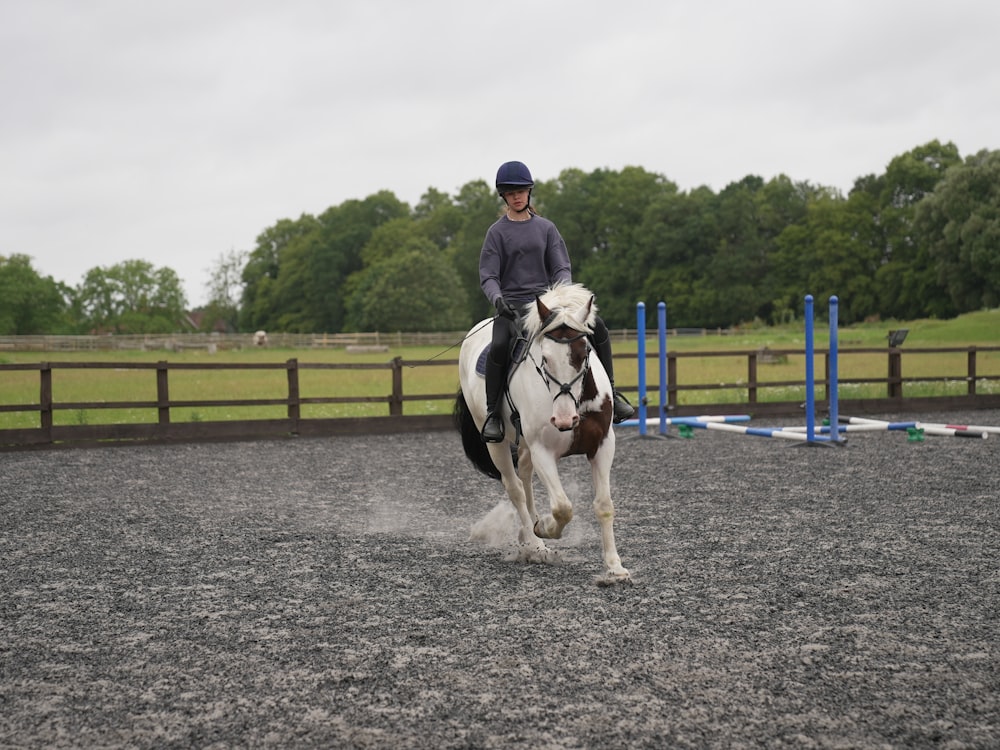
point(920, 240)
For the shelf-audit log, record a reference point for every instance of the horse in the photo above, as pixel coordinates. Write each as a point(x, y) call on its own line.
point(558, 403)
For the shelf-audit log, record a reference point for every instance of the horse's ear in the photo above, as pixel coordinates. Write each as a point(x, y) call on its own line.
point(583, 317)
point(543, 311)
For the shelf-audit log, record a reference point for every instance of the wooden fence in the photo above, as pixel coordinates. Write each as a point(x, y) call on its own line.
point(49, 433)
point(217, 342)
point(894, 379)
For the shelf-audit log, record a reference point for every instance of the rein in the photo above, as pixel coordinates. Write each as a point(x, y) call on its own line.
point(477, 329)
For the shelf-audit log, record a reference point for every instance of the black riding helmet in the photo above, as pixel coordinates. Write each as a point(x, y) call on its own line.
point(513, 175)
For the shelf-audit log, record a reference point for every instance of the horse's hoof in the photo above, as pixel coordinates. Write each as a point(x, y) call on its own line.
point(540, 531)
point(614, 579)
point(529, 553)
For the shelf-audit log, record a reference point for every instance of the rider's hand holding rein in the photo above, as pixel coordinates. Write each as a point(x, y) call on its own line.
point(505, 309)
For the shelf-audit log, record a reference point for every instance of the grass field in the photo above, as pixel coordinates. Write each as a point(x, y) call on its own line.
point(433, 372)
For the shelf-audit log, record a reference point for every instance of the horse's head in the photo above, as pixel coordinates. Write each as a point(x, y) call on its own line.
point(563, 322)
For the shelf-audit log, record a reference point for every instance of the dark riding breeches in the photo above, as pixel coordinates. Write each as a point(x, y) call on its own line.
point(601, 341)
point(497, 361)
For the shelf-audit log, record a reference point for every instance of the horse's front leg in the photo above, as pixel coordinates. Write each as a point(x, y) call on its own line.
point(525, 471)
point(551, 525)
point(604, 509)
point(533, 549)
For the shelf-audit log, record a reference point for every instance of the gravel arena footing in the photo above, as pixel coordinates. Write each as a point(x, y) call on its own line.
point(327, 593)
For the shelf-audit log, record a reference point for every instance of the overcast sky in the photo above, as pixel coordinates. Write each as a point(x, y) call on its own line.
point(176, 132)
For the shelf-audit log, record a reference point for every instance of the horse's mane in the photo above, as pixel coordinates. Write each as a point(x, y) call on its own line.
point(565, 301)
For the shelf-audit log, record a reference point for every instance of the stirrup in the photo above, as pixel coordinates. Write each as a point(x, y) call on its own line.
point(621, 408)
point(493, 429)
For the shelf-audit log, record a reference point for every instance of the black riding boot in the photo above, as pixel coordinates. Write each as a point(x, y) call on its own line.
point(620, 407)
point(496, 373)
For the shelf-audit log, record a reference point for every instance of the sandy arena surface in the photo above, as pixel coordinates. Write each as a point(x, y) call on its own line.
point(326, 593)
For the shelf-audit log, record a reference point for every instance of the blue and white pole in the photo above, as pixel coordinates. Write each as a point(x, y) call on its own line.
point(810, 372)
point(661, 327)
point(640, 324)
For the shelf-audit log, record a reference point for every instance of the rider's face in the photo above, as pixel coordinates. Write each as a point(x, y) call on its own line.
point(517, 199)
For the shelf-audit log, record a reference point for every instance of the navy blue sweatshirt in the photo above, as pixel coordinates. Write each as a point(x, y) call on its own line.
point(520, 259)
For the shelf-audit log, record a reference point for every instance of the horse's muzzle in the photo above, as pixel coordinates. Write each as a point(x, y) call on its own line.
point(564, 426)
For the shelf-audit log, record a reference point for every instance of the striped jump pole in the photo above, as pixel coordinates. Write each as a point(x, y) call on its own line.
point(976, 429)
point(882, 427)
point(769, 432)
point(858, 424)
point(928, 428)
point(654, 421)
point(966, 427)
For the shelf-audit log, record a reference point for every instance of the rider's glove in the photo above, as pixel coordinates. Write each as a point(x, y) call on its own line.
point(504, 309)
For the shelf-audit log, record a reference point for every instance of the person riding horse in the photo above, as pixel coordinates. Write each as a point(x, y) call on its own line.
point(523, 253)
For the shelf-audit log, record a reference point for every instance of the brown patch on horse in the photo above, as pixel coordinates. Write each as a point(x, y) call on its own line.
point(591, 432)
point(579, 350)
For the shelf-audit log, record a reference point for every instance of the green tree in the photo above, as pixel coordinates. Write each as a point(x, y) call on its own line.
point(478, 204)
point(258, 303)
point(131, 297)
point(711, 257)
point(387, 239)
point(906, 280)
point(735, 274)
point(674, 246)
point(572, 202)
point(308, 291)
point(225, 288)
point(752, 251)
point(960, 222)
point(599, 216)
point(828, 254)
point(30, 303)
point(438, 216)
point(295, 276)
point(415, 289)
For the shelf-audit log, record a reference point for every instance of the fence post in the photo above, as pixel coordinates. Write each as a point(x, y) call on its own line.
point(895, 376)
point(971, 371)
point(396, 399)
point(162, 392)
point(292, 366)
point(45, 398)
point(671, 380)
point(826, 380)
point(752, 378)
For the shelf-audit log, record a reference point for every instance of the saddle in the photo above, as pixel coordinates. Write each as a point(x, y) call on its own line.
point(518, 353)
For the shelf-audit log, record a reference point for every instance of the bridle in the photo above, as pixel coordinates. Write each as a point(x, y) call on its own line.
point(565, 389)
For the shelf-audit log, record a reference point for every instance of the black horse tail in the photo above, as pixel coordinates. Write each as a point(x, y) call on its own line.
point(475, 449)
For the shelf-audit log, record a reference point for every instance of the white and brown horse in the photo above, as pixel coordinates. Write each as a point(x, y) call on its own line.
point(562, 398)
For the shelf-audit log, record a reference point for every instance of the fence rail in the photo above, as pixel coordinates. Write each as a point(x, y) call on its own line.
point(293, 423)
point(222, 341)
point(175, 342)
point(235, 341)
point(893, 380)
